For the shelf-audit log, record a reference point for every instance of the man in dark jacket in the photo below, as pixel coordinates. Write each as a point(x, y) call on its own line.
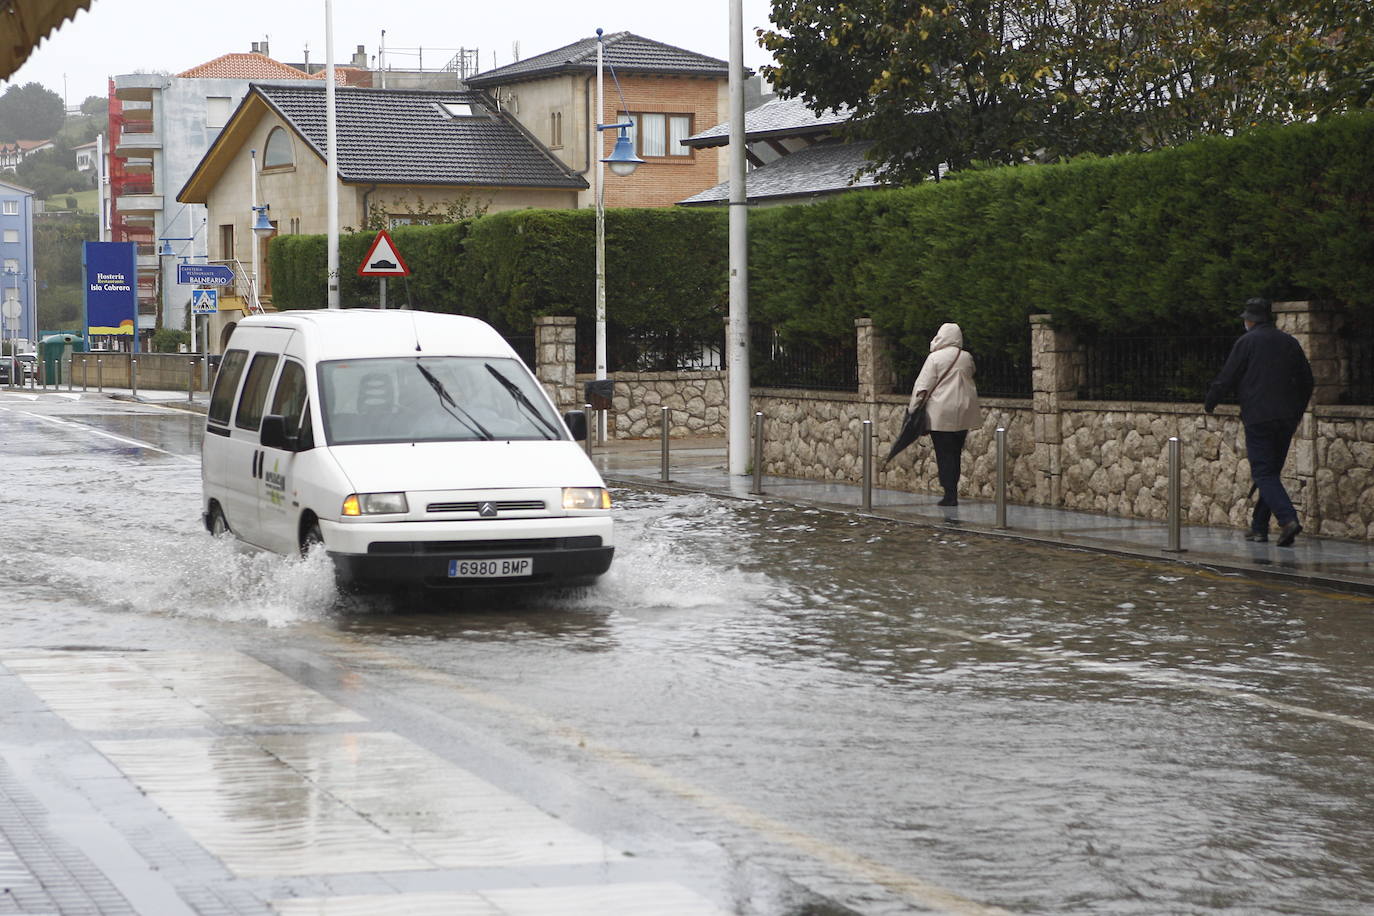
point(1273, 379)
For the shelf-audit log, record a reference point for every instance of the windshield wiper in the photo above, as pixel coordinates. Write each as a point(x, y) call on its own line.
point(448, 403)
point(523, 400)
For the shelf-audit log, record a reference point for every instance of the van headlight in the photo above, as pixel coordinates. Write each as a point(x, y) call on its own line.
point(586, 498)
point(375, 504)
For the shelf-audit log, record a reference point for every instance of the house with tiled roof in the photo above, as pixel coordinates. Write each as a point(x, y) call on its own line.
point(11, 154)
point(795, 156)
point(669, 94)
point(402, 154)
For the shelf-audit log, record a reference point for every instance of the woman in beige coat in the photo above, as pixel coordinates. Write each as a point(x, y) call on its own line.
point(945, 386)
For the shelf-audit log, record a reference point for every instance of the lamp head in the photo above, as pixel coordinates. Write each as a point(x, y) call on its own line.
point(622, 159)
point(167, 251)
point(261, 226)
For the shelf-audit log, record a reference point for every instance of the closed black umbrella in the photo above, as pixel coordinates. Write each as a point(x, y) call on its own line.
point(916, 425)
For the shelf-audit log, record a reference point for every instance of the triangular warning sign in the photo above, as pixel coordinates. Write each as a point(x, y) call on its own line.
point(383, 260)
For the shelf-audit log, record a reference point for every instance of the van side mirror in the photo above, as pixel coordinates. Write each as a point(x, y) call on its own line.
point(577, 424)
point(273, 434)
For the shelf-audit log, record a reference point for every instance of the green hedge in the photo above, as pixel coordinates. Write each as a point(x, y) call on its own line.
point(665, 268)
point(1159, 243)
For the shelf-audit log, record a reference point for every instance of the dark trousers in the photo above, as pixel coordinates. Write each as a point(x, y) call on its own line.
point(949, 449)
point(1266, 445)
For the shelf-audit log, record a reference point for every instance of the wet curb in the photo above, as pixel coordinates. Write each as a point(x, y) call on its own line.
point(1361, 589)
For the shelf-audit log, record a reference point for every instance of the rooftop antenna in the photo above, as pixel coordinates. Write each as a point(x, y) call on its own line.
point(307, 57)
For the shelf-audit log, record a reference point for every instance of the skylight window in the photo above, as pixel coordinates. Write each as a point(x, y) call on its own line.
point(458, 109)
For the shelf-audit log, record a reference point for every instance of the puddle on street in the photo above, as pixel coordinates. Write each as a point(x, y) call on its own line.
point(1044, 730)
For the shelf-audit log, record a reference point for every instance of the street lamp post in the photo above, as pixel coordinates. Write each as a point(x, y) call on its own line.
point(262, 228)
point(623, 162)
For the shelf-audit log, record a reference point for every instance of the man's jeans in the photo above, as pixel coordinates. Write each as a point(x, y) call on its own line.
point(1266, 445)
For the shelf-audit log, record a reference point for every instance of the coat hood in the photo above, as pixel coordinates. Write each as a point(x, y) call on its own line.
point(949, 335)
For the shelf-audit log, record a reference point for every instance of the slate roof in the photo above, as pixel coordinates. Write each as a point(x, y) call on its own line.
point(245, 67)
point(625, 51)
point(403, 136)
point(826, 168)
point(774, 118)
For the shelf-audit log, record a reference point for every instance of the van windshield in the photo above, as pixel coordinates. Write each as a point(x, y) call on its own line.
point(433, 399)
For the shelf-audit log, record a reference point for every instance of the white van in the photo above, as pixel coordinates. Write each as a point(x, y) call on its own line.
point(417, 447)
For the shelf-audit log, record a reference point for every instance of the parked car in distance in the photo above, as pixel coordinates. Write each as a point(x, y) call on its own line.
point(28, 365)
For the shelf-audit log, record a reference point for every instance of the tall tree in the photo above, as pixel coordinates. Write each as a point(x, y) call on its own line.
point(30, 112)
point(947, 83)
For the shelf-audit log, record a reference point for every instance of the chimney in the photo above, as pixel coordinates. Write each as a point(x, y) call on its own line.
point(360, 58)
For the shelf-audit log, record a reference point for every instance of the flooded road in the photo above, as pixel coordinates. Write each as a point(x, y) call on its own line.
point(806, 711)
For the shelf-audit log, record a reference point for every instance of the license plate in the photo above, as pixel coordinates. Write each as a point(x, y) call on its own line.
point(490, 569)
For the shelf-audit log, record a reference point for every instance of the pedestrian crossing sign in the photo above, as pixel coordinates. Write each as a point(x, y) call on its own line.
point(204, 301)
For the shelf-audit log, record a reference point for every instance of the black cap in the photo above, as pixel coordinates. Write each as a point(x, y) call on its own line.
point(1258, 310)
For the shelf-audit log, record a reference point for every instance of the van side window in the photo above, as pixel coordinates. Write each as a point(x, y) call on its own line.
point(226, 383)
point(289, 400)
point(255, 387)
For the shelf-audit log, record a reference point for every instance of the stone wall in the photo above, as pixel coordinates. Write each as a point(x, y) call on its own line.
point(1095, 456)
point(156, 371)
point(697, 402)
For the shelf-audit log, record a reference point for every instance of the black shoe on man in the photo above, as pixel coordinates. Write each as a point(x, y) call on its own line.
point(1261, 537)
point(948, 501)
point(1289, 533)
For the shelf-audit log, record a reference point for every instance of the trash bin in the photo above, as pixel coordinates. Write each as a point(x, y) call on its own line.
point(55, 356)
point(600, 393)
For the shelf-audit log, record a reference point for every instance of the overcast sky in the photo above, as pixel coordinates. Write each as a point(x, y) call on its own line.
point(128, 36)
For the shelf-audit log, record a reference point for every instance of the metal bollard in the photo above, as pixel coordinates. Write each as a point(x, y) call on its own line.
point(1175, 496)
point(190, 381)
point(591, 428)
point(85, 373)
point(133, 377)
point(1001, 438)
point(867, 452)
point(758, 454)
point(664, 414)
point(99, 375)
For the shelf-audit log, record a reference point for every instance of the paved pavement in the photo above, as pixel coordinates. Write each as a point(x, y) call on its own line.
point(700, 465)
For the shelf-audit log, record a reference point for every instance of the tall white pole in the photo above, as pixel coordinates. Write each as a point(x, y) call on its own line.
point(100, 183)
point(256, 242)
point(599, 191)
point(332, 154)
point(738, 344)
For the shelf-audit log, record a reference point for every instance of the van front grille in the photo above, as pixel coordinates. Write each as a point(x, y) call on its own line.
point(469, 548)
point(502, 505)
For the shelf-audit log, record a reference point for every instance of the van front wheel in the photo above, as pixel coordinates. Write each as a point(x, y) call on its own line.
point(219, 525)
point(311, 537)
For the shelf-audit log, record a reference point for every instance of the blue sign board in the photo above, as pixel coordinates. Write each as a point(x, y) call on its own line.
point(205, 274)
point(111, 288)
point(204, 302)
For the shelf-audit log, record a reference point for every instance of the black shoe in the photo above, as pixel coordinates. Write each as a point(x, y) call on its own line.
point(948, 501)
point(1288, 533)
point(1260, 536)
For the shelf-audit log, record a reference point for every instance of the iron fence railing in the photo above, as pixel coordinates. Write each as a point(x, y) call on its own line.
point(775, 362)
point(1159, 369)
point(996, 374)
point(652, 351)
point(1358, 378)
point(523, 345)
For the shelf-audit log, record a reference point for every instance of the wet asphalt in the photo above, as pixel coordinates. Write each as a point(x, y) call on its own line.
point(765, 707)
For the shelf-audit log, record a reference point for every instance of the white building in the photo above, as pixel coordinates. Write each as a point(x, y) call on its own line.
point(161, 127)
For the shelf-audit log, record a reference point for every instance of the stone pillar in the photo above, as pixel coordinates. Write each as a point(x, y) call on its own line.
point(876, 375)
point(1313, 323)
point(1055, 366)
point(555, 358)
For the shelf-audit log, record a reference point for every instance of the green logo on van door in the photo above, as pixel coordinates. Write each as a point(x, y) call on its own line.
point(275, 482)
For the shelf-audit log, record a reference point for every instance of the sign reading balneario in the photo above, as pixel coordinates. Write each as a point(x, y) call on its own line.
point(111, 288)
